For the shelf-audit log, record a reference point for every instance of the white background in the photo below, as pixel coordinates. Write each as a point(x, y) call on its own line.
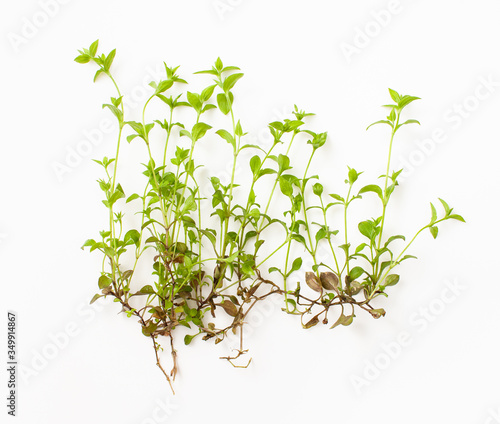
point(291, 52)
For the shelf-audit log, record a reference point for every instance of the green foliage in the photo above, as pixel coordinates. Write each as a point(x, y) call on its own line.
point(208, 279)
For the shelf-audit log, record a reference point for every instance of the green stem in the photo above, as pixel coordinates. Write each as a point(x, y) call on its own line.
point(386, 198)
point(231, 186)
point(329, 237)
point(346, 205)
point(166, 141)
point(313, 254)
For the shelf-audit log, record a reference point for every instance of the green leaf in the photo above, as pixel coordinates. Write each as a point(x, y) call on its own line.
point(227, 136)
point(405, 257)
point(147, 289)
point(104, 281)
point(296, 265)
point(434, 231)
point(132, 197)
point(410, 121)
point(188, 339)
point(372, 188)
point(283, 163)
point(392, 115)
point(93, 48)
point(394, 95)
point(367, 228)
point(320, 235)
point(207, 93)
point(353, 176)
point(132, 237)
point(457, 217)
point(238, 131)
point(223, 103)
point(194, 101)
point(89, 243)
point(83, 58)
point(109, 59)
point(405, 101)
point(98, 72)
point(266, 171)
point(230, 81)
point(383, 121)
point(391, 280)
point(149, 329)
point(392, 238)
point(199, 130)
point(447, 209)
point(337, 197)
point(356, 272)
point(189, 205)
point(286, 187)
point(164, 86)
point(360, 248)
point(433, 214)
point(255, 164)
point(117, 112)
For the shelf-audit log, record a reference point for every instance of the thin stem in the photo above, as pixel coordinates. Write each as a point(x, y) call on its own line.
point(386, 198)
point(346, 205)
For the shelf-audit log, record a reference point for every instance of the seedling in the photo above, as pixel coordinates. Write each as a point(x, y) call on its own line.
point(200, 274)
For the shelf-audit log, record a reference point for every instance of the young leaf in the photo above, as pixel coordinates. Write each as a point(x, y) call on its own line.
point(230, 81)
point(372, 188)
point(227, 136)
point(255, 164)
point(296, 265)
point(457, 217)
point(223, 103)
point(447, 209)
point(93, 48)
point(83, 58)
point(394, 95)
point(383, 121)
point(433, 214)
point(199, 130)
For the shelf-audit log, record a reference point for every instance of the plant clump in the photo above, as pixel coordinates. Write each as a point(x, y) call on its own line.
point(212, 257)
